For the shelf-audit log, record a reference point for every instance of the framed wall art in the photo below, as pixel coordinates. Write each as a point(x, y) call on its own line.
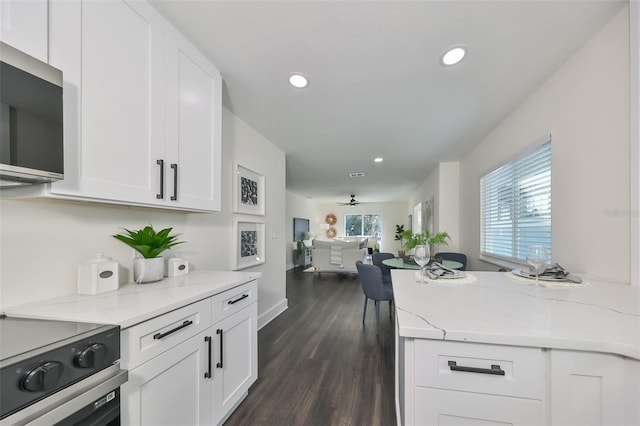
point(427, 215)
point(248, 191)
point(416, 224)
point(249, 242)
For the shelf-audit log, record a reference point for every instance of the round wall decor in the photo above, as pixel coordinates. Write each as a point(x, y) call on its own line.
point(331, 232)
point(331, 219)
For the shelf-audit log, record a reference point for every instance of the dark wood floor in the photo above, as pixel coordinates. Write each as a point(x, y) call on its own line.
point(318, 365)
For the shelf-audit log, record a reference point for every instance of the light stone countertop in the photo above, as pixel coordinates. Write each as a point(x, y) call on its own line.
point(501, 309)
point(134, 303)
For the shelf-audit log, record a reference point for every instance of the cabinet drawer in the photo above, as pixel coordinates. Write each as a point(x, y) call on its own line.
point(474, 367)
point(445, 407)
point(151, 338)
point(231, 301)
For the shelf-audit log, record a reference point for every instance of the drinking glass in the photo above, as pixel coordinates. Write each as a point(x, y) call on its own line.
point(537, 258)
point(421, 255)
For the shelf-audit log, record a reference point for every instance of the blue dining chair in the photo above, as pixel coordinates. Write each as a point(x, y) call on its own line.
point(374, 288)
point(377, 259)
point(456, 257)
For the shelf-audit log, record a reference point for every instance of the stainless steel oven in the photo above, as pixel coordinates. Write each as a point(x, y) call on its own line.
point(58, 372)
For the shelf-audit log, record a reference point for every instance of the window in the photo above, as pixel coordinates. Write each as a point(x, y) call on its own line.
point(515, 206)
point(360, 224)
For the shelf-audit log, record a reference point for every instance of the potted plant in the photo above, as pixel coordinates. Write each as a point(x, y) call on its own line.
point(148, 244)
point(400, 236)
point(425, 238)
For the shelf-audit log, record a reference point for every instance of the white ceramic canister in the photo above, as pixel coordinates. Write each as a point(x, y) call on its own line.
point(177, 266)
point(98, 275)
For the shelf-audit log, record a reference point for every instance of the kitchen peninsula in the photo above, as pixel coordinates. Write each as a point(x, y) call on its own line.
point(500, 349)
point(190, 339)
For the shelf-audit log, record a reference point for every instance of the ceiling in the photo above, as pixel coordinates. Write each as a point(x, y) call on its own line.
point(376, 86)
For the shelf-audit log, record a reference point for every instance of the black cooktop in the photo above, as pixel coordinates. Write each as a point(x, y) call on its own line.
point(40, 357)
point(23, 338)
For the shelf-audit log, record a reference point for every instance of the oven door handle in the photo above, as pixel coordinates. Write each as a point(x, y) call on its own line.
point(69, 400)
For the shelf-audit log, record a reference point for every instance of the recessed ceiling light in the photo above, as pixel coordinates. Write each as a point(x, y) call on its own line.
point(298, 80)
point(378, 159)
point(453, 56)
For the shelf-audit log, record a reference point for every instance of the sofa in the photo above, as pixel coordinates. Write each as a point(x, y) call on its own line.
point(337, 255)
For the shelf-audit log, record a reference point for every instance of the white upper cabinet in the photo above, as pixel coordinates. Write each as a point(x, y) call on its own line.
point(23, 25)
point(193, 126)
point(142, 108)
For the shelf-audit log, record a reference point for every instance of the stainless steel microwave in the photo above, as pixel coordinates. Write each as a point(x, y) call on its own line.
point(31, 139)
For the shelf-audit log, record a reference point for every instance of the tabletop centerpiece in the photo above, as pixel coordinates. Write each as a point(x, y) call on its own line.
point(425, 238)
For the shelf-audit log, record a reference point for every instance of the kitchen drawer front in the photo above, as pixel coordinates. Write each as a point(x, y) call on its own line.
point(148, 339)
point(231, 301)
point(445, 407)
point(470, 367)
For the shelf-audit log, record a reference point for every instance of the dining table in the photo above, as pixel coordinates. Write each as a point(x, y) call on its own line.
point(399, 263)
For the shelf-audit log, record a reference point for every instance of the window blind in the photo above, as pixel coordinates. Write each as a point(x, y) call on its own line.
point(515, 205)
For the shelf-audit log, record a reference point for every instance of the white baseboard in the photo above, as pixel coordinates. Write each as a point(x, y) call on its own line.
point(272, 313)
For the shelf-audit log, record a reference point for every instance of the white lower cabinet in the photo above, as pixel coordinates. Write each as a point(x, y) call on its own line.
point(460, 383)
point(589, 389)
point(456, 383)
point(236, 367)
point(444, 407)
point(170, 389)
point(185, 371)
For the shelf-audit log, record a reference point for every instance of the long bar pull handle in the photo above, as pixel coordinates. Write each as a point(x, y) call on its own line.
point(161, 194)
point(244, 296)
point(219, 331)
point(174, 197)
point(207, 374)
point(495, 369)
point(173, 330)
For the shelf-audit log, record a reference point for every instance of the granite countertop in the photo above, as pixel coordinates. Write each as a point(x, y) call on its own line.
point(500, 309)
point(134, 303)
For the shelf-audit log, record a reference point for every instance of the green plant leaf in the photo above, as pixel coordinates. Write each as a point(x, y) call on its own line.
point(148, 242)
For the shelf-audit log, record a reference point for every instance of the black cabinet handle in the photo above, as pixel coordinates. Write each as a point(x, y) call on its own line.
point(495, 369)
point(180, 327)
point(207, 374)
point(161, 194)
point(244, 296)
point(219, 364)
point(174, 197)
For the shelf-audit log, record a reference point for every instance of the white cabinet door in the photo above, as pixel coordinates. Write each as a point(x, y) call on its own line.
point(111, 54)
point(24, 25)
point(193, 127)
point(236, 360)
point(587, 388)
point(171, 389)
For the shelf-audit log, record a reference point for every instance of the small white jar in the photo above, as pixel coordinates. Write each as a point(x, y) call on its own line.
point(98, 275)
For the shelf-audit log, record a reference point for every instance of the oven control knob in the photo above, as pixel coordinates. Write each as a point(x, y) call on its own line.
point(91, 356)
point(42, 378)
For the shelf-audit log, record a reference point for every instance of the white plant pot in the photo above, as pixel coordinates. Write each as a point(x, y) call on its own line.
point(148, 270)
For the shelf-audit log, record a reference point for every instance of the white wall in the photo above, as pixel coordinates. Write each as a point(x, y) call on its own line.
point(443, 185)
point(585, 106)
point(42, 242)
point(300, 207)
point(393, 213)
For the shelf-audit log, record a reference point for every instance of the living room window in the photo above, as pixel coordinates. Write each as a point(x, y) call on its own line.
point(515, 206)
point(363, 224)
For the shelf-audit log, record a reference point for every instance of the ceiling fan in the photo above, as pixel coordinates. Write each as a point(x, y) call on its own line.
point(352, 202)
